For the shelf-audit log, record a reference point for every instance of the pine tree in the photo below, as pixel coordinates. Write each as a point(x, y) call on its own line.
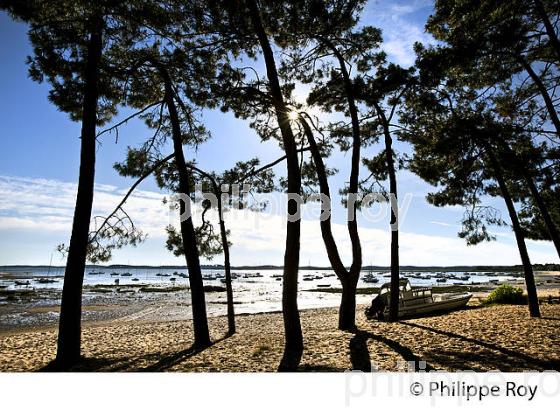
point(75, 45)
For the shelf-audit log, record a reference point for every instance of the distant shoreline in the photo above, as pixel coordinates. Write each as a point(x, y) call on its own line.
point(455, 268)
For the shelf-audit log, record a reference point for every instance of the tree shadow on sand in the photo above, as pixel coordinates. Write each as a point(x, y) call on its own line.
point(174, 359)
point(132, 363)
point(499, 357)
point(102, 364)
point(359, 352)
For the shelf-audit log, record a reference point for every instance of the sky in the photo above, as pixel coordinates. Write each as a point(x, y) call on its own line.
point(39, 153)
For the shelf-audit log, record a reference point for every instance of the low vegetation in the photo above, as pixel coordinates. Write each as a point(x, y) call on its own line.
point(506, 295)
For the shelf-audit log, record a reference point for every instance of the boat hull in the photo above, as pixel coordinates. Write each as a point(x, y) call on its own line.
point(446, 304)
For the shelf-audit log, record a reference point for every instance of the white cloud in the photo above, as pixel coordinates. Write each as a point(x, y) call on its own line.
point(402, 8)
point(400, 31)
point(447, 225)
point(29, 203)
point(30, 206)
point(251, 235)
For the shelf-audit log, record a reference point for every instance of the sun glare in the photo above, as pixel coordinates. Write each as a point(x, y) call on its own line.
point(293, 115)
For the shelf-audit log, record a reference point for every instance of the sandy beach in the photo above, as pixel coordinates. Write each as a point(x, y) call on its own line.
point(477, 338)
point(123, 334)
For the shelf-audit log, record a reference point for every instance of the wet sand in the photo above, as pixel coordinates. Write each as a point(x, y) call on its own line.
point(478, 338)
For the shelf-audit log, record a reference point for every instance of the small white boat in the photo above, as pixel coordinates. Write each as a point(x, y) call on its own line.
point(416, 302)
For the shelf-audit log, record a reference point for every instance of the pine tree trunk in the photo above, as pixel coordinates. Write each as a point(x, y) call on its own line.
point(534, 310)
point(539, 8)
point(293, 347)
point(69, 331)
point(347, 310)
point(549, 103)
point(346, 313)
point(227, 266)
point(519, 166)
point(551, 227)
point(200, 320)
point(395, 273)
point(395, 277)
point(353, 181)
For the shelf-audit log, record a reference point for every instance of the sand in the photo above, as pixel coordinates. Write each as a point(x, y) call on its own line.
point(478, 338)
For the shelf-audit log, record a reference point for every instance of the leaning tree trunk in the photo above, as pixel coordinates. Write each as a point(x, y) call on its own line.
point(347, 318)
point(227, 266)
point(547, 218)
point(550, 31)
point(293, 347)
point(394, 300)
point(69, 330)
point(549, 103)
point(527, 267)
point(188, 235)
point(347, 310)
point(550, 226)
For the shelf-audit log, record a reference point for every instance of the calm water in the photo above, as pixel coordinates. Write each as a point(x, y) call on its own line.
point(254, 290)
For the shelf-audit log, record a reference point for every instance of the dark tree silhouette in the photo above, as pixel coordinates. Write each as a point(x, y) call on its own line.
point(454, 135)
point(505, 50)
point(383, 91)
point(292, 327)
point(74, 44)
point(324, 46)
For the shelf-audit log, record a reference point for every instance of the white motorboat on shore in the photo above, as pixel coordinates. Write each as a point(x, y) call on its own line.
point(416, 302)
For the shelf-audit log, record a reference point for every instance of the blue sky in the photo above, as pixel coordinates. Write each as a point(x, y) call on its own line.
point(39, 151)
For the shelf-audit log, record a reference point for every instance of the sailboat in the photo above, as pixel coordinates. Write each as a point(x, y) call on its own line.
point(47, 279)
point(369, 277)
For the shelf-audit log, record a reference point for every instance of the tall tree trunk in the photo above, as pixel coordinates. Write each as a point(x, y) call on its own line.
point(539, 8)
point(395, 274)
point(534, 310)
point(544, 93)
point(227, 266)
point(69, 331)
point(347, 310)
point(519, 166)
point(293, 347)
point(188, 235)
point(356, 266)
point(551, 227)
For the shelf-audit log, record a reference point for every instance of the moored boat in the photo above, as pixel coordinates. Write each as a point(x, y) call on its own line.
point(22, 282)
point(416, 302)
point(45, 280)
point(369, 278)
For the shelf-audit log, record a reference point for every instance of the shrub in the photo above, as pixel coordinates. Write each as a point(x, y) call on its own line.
point(506, 294)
